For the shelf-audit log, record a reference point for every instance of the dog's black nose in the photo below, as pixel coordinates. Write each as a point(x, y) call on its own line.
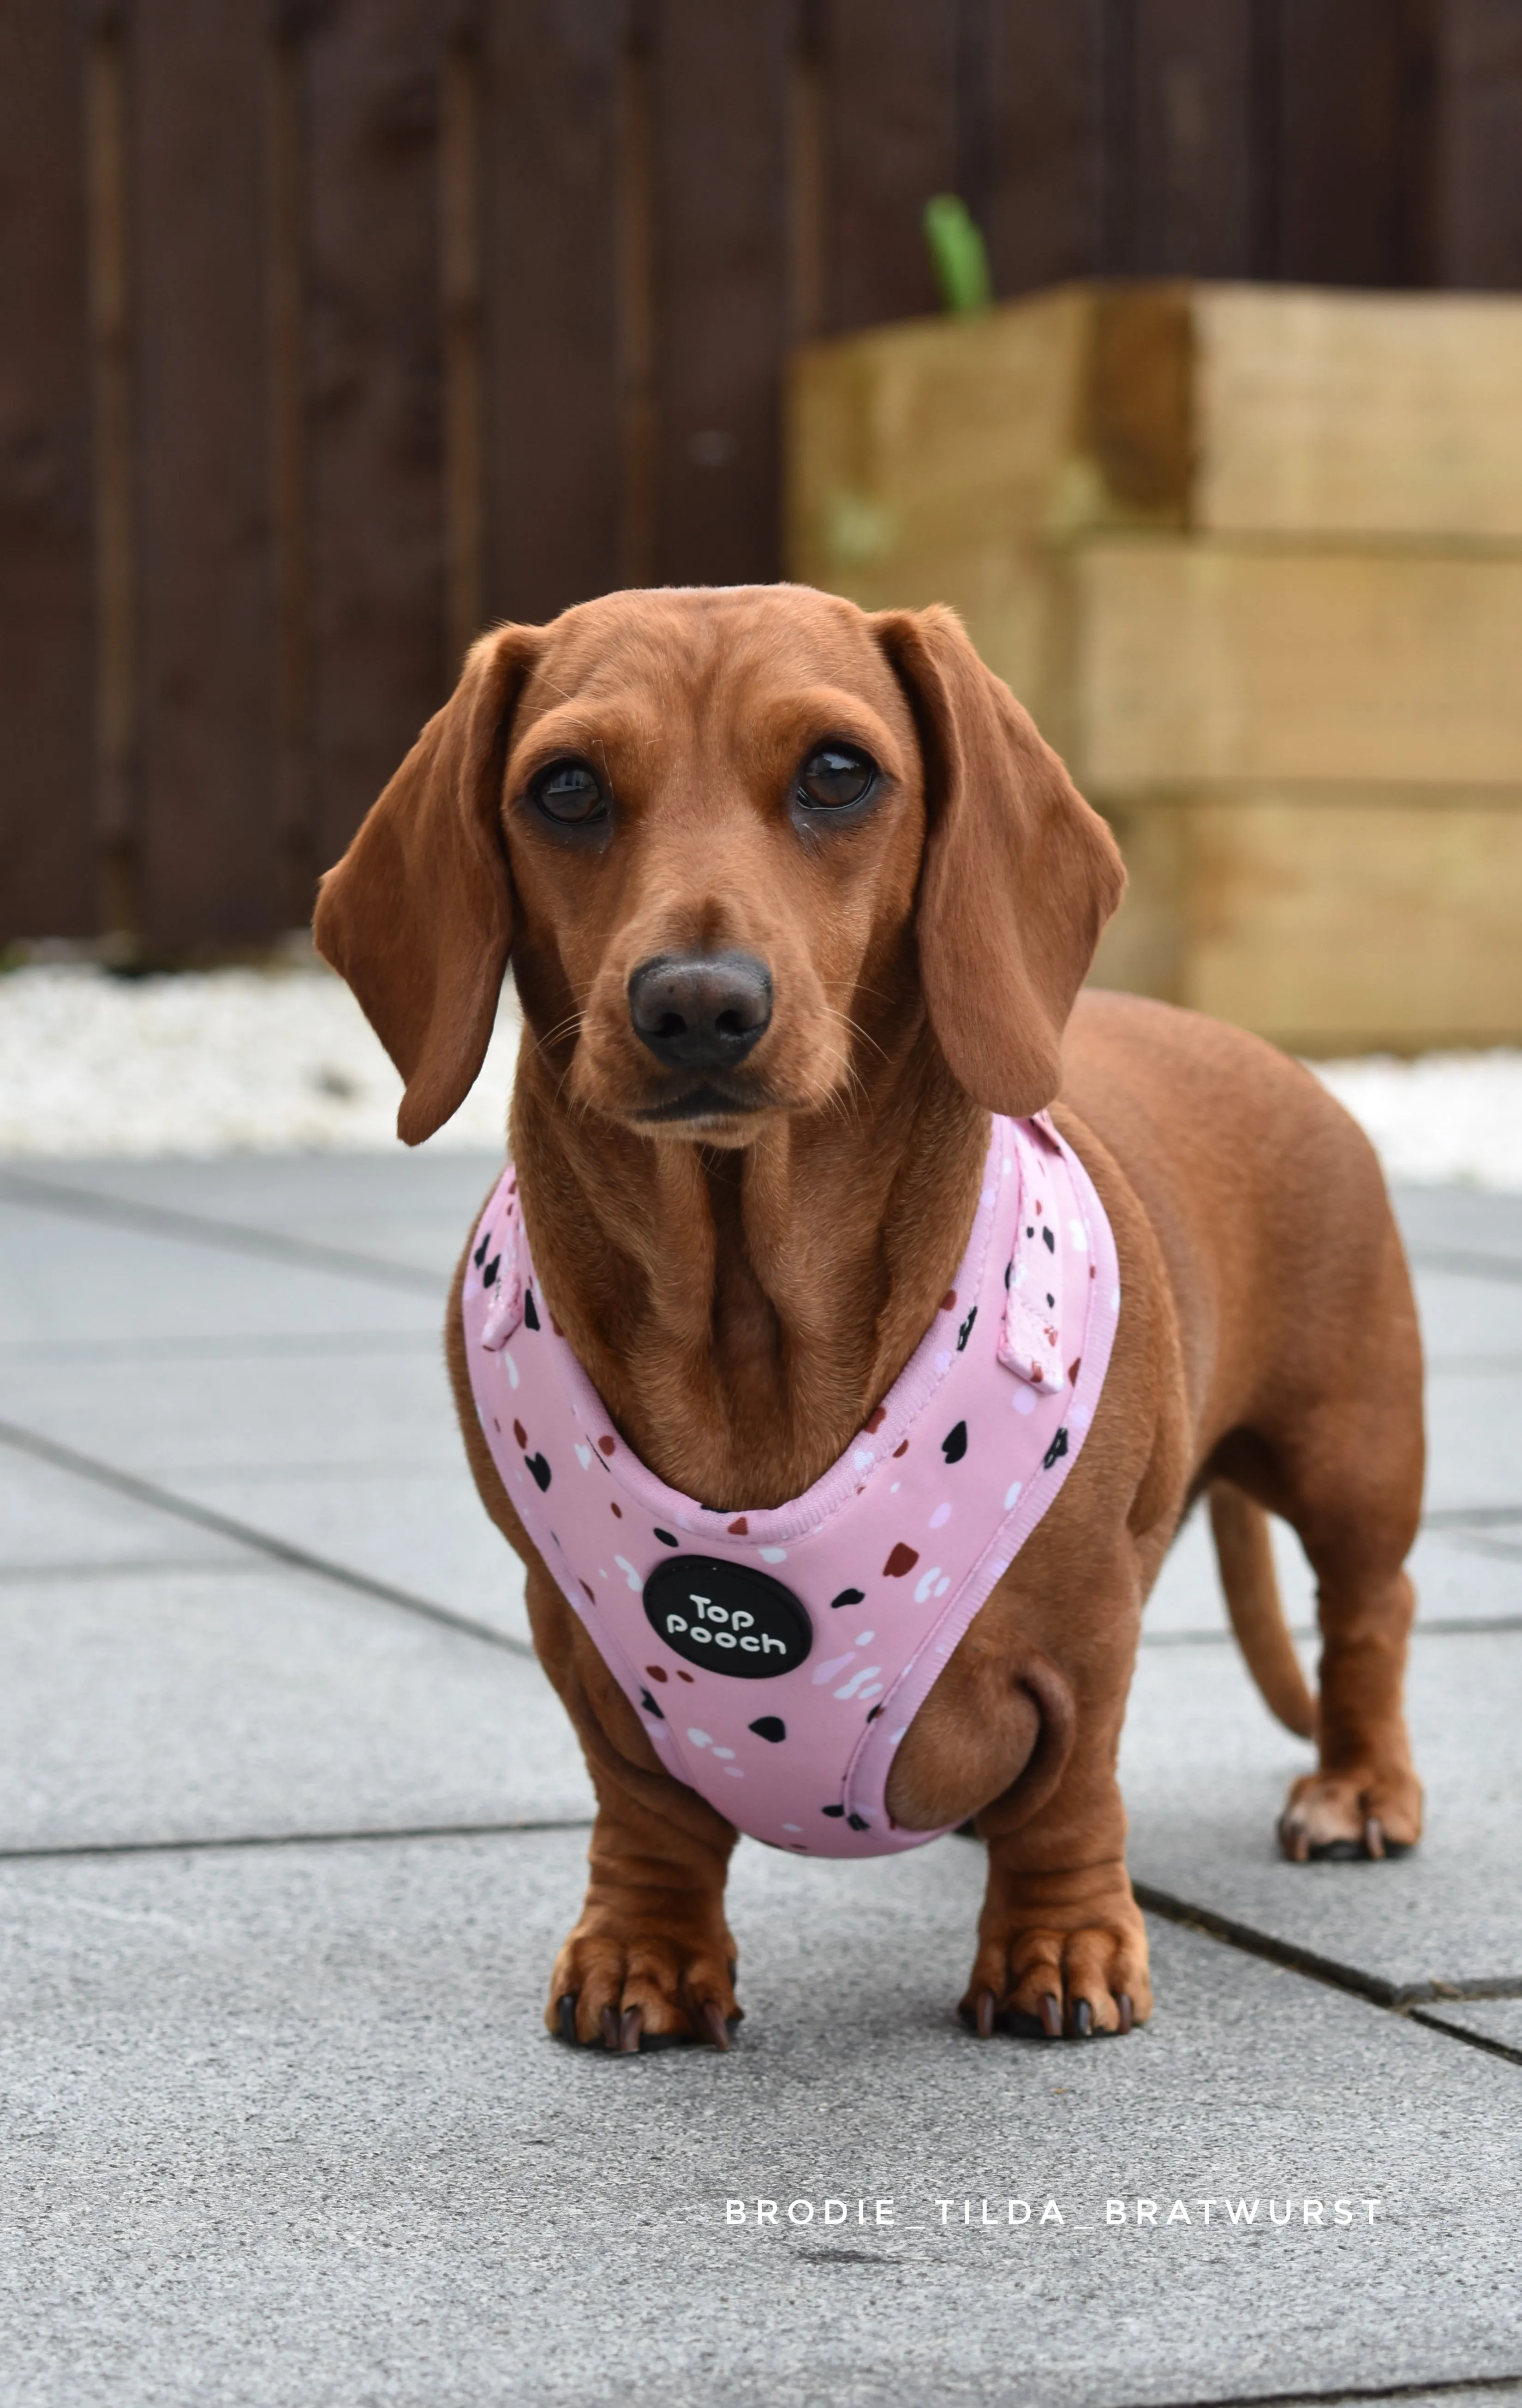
point(701, 1011)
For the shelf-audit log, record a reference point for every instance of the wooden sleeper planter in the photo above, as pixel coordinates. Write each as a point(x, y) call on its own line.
point(1252, 555)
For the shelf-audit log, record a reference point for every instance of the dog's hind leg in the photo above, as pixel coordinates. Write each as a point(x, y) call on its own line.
point(1364, 1799)
point(1343, 1465)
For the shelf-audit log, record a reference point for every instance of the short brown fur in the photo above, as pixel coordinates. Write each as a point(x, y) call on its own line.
point(743, 1288)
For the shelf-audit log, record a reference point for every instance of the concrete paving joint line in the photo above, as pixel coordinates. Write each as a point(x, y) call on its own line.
point(246, 1534)
point(229, 1236)
point(1406, 1998)
point(1471, 1517)
point(97, 1851)
point(1462, 2386)
point(1453, 1626)
point(1465, 1264)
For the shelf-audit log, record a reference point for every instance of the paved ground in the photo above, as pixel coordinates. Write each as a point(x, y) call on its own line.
point(290, 1826)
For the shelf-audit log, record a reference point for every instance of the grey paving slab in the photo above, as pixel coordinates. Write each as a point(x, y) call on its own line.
point(1204, 1770)
point(180, 1704)
point(51, 1522)
point(384, 1406)
point(407, 1207)
point(1442, 1220)
point(62, 1279)
point(1467, 1322)
point(351, 1453)
point(1473, 1441)
point(418, 1529)
point(284, 2128)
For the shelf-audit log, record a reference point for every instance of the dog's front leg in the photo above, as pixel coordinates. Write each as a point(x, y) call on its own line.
point(1061, 1943)
point(650, 1957)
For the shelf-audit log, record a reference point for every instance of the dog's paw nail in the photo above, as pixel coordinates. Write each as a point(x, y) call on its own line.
point(565, 2015)
point(608, 2020)
point(1374, 1838)
point(1295, 1843)
point(1125, 2011)
point(982, 2007)
point(628, 2030)
point(1083, 2020)
point(1051, 2017)
point(715, 2026)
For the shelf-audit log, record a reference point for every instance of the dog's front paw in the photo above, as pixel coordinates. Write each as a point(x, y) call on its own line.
point(1042, 1980)
point(624, 1986)
point(1364, 1812)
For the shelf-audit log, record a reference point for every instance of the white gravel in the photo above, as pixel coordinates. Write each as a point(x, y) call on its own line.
point(248, 1061)
point(1442, 1118)
point(215, 1062)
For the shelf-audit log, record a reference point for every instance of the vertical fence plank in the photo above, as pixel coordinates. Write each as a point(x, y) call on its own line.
point(46, 869)
point(1481, 102)
point(720, 246)
point(1046, 144)
point(376, 491)
point(1192, 137)
point(559, 87)
point(890, 114)
point(209, 856)
point(1355, 142)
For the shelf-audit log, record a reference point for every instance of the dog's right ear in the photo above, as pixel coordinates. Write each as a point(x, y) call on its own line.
point(418, 915)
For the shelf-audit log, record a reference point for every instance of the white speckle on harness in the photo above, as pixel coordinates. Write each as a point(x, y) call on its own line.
point(926, 1582)
point(864, 1458)
point(828, 1670)
point(866, 1638)
point(866, 1672)
point(510, 1367)
point(941, 1516)
point(584, 1456)
point(1012, 1494)
point(700, 1738)
point(774, 1554)
point(628, 1571)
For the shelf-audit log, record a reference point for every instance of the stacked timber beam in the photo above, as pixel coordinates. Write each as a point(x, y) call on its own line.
point(1253, 557)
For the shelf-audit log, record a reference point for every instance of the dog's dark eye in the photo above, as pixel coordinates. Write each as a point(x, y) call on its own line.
point(568, 792)
point(833, 776)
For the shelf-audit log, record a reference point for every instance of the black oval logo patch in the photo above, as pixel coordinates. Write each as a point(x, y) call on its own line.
point(727, 1617)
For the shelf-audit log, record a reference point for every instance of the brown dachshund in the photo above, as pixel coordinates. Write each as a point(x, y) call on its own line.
point(794, 897)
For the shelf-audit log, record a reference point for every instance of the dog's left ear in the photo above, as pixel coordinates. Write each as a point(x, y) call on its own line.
point(1019, 875)
point(418, 915)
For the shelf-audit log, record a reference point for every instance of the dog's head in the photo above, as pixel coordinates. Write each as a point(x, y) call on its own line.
point(722, 835)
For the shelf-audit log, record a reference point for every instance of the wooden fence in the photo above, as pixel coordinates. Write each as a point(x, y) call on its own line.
point(333, 328)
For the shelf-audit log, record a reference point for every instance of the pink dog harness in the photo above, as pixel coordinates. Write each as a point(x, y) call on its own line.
point(776, 1658)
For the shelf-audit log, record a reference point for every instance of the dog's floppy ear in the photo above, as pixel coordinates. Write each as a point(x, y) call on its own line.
point(418, 915)
point(1019, 875)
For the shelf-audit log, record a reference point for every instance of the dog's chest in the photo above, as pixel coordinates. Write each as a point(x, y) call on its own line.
point(775, 1658)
